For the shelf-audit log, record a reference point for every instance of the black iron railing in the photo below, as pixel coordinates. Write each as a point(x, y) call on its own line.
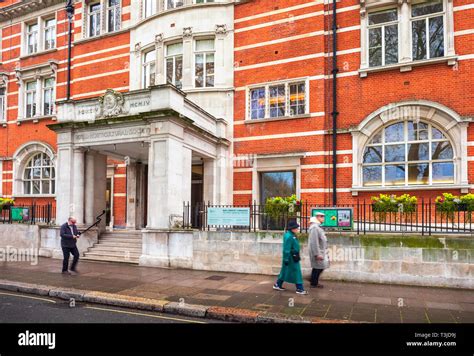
point(28, 214)
point(423, 218)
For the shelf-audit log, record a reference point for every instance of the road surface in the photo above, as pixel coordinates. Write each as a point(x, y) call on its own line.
point(25, 308)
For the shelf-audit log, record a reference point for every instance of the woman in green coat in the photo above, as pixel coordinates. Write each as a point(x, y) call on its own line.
point(291, 269)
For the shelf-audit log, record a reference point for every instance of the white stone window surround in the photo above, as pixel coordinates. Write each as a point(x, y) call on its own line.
point(454, 127)
point(266, 85)
point(149, 64)
point(103, 18)
point(275, 163)
point(189, 38)
point(36, 73)
point(20, 159)
point(383, 26)
point(405, 62)
point(160, 6)
point(40, 40)
point(205, 54)
point(174, 57)
point(4, 85)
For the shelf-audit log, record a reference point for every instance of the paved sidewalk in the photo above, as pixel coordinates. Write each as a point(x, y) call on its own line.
point(356, 302)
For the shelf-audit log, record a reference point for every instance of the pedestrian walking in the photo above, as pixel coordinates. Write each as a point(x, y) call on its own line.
point(317, 249)
point(291, 268)
point(69, 235)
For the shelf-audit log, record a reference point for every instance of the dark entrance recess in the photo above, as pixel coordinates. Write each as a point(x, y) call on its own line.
point(197, 186)
point(108, 201)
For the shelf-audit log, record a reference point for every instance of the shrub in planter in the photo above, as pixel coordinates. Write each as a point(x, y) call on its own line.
point(407, 203)
point(277, 207)
point(447, 203)
point(391, 203)
point(467, 202)
point(5, 203)
point(384, 203)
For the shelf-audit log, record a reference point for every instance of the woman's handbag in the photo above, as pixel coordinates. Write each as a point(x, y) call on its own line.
point(296, 256)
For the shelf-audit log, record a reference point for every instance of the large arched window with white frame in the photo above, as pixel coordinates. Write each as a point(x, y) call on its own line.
point(408, 153)
point(39, 175)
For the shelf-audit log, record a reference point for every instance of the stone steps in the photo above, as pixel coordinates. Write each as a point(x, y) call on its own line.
point(124, 254)
point(120, 246)
point(120, 239)
point(111, 247)
point(111, 259)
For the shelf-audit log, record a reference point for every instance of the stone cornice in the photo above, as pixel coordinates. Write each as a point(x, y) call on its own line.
point(24, 7)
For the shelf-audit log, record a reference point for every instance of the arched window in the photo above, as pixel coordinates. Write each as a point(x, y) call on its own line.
point(38, 176)
point(408, 153)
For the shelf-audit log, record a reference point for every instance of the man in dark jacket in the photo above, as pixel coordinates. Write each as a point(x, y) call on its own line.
point(69, 235)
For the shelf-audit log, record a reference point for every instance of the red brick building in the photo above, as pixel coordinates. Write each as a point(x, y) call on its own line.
point(403, 103)
point(97, 63)
point(402, 100)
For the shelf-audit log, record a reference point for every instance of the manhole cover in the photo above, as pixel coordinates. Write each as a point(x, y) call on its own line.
point(216, 278)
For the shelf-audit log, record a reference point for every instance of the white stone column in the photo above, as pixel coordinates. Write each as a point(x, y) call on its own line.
point(132, 195)
point(39, 93)
point(450, 28)
point(78, 185)
point(364, 63)
point(165, 181)
point(160, 70)
point(63, 183)
point(215, 178)
point(404, 31)
point(188, 59)
point(90, 188)
point(141, 196)
point(209, 180)
point(160, 6)
point(463, 154)
point(100, 186)
point(220, 55)
point(187, 174)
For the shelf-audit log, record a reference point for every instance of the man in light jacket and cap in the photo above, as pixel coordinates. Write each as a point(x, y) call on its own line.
point(317, 249)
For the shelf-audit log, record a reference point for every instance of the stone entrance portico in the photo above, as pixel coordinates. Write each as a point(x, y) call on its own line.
point(156, 127)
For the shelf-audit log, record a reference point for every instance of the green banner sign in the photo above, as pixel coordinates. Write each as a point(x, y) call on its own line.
point(20, 213)
point(336, 218)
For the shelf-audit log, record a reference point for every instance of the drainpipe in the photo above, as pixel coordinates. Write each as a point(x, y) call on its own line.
point(334, 103)
point(70, 15)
